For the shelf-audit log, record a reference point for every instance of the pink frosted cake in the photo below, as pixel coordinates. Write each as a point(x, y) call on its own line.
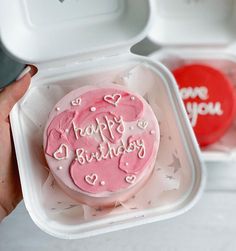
point(101, 144)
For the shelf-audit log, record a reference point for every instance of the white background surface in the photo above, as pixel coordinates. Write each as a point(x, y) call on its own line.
point(210, 225)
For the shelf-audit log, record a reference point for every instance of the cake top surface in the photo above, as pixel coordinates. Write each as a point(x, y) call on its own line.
point(101, 139)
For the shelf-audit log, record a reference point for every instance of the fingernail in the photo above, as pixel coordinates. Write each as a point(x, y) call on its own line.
point(24, 72)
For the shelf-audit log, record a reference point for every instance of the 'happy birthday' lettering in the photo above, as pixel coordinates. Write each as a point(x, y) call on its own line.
point(106, 127)
point(107, 151)
point(101, 127)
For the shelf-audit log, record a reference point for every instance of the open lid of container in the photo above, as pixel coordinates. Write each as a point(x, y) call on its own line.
point(194, 22)
point(47, 30)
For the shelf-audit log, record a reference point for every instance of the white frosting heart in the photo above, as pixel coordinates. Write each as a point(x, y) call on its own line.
point(113, 99)
point(130, 179)
point(142, 124)
point(61, 153)
point(91, 179)
point(76, 102)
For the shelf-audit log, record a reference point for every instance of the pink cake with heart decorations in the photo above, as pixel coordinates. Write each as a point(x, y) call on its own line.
point(101, 144)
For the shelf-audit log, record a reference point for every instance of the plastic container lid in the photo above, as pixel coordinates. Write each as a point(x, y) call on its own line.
point(194, 22)
point(39, 31)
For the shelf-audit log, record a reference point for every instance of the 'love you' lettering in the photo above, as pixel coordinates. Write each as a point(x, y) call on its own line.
point(209, 99)
point(101, 144)
point(204, 108)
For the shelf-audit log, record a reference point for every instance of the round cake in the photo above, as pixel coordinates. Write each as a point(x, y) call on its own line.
point(209, 99)
point(101, 144)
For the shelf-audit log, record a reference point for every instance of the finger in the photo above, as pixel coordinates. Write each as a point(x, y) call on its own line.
point(12, 93)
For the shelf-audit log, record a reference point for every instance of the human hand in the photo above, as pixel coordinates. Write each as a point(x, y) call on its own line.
point(10, 189)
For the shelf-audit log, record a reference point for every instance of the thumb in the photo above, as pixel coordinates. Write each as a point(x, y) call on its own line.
point(12, 93)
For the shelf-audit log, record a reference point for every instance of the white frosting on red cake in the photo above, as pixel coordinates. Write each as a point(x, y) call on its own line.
point(101, 144)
